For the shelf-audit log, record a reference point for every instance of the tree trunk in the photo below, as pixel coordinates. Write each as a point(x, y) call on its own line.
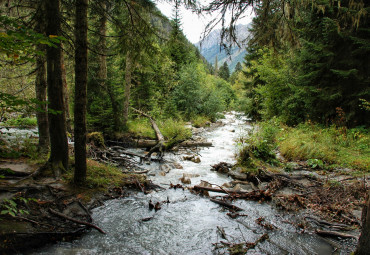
point(57, 123)
point(128, 72)
point(41, 84)
point(66, 96)
point(80, 91)
point(364, 241)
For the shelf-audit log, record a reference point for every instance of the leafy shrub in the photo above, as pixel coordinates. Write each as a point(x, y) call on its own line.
point(315, 163)
point(22, 122)
point(200, 121)
point(174, 130)
point(260, 145)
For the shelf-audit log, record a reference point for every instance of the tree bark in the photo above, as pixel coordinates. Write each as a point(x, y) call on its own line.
point(57, 123)
point(80, 91)
point(41, 83)
point(364, 241)
point(66, 96)
point(128, 72)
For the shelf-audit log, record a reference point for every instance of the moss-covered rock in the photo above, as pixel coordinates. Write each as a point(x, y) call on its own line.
point(96, 138)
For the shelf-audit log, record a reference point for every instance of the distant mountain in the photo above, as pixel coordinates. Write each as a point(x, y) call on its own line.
point(210, 48)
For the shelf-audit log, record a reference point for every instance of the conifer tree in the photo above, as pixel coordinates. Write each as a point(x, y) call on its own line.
point(224, 72)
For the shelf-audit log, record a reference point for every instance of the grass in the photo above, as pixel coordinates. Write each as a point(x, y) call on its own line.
point(334, 146)
point(21, 122)
point(170, 128)
point(101, 176)
point(321, 147)
point(200, 121)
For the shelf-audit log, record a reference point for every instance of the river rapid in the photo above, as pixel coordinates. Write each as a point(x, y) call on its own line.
point(189, 223)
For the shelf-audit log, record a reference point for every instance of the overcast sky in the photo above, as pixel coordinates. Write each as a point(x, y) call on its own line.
point(192, 25)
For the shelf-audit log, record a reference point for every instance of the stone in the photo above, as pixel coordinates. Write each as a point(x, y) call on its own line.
point(237, 174)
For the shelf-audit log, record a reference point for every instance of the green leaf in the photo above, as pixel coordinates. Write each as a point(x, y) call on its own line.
point(11, 202)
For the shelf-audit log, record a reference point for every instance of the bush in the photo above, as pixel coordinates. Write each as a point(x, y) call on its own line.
point(22, 122)
point(260, 145)
point(200, 121)
point(170, 128)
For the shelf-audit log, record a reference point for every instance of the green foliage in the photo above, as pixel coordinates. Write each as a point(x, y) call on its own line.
point(200, 121)
point(17, 42)
point(102, 176)
point(338, 146)
point(260, 145)
point(172, 130)
point(315, 163)
point(10, 206)
point(224, 72)
point(21, 122)
point(312, 81)
point(199, 93)
point(96, 138)
point(141, 127)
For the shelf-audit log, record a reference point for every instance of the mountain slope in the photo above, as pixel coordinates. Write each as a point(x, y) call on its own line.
point(210, 48)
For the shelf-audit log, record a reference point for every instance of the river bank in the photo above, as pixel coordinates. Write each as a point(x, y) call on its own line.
point(280, 209)
point(177, 219)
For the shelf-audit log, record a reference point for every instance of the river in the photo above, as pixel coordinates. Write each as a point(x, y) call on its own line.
point(189, 223)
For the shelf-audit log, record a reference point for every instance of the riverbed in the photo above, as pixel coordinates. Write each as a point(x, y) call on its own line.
point(188, 223)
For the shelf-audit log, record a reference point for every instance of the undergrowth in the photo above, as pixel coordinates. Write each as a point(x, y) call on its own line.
point(101, 176)
point(333, 146)
point(200, 121)
point(258, 147)
point(170, 128)
point(21, 122)
point(321, 147)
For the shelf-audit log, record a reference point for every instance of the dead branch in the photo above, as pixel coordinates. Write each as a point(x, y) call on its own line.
point(160, 138)
point(226, 204)
point(76, 221)
point(334, 234)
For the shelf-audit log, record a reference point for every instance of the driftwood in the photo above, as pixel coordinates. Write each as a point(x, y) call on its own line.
point(226, 204)
point(145, 143)
point(198, 187)
point(135, 172)
point(76, 221)
point(334, 234)
point(253, 195)
point(122, 151)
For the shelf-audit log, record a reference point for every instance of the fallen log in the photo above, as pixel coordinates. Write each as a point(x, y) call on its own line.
point(144, 143)
point(226, 204)
point(197, 187)
point(135, 172)
point(76, 221)
point(160, 146)
point(133, 155)
point(253, 195)
point(194, 144)
point(334, 234)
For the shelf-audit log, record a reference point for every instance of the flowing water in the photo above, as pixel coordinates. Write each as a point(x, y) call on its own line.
point(189, 223)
